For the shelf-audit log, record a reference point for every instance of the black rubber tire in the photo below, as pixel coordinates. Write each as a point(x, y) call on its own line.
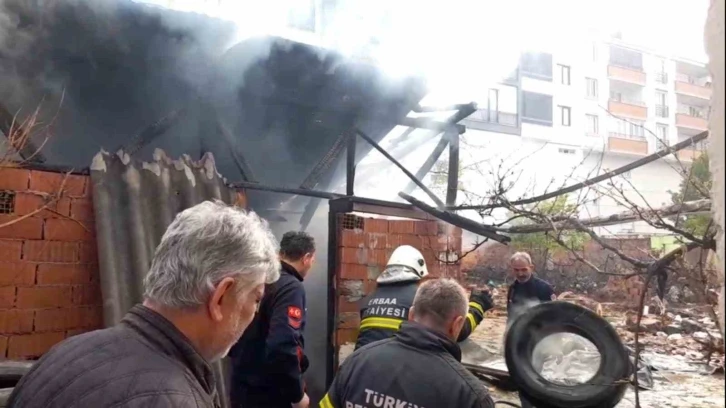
point(604, 390)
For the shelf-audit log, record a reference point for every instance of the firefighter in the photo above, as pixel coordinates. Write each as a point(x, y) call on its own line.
point(268, 361)
point(419, 366)
point(383, 312)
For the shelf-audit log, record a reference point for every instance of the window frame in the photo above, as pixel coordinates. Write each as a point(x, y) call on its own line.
point(596, 123)
point(595, 88)
point(565, 69)
point(563, 109)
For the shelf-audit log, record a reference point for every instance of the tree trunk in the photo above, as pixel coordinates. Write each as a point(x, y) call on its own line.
point(714, 39)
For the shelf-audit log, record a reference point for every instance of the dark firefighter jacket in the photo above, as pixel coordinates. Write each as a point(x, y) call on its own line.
point(268, 361)
point(416, 368)
point(383, 312)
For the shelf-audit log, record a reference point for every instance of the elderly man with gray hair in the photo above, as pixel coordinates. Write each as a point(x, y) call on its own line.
point(202, 290)
point(420, 365)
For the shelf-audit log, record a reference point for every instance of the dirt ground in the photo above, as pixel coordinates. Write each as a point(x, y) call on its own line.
point(671, 389)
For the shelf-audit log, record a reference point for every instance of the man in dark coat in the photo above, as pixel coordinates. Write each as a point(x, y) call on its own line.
point(201, 292)
point(420, 365)
point(269, 360)
point(526, 291)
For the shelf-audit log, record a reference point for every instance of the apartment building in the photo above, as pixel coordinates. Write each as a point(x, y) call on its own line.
point(578, 110)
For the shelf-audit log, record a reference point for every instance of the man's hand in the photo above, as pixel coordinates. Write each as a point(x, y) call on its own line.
point(304, 402)
point(483, 298)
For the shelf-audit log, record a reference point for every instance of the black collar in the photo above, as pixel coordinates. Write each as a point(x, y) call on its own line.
point(420, 337)
point(286, 267)
point(167, 339)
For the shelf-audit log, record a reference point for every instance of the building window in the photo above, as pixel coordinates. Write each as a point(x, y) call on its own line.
point(630, 129)
point(626, 58)
point(537, 108)
point(564, 74)
point(661, 133)
point(7, 202)
point(537, 65)
point(592, 124)
point(661, 104)
point(501, 107)
point(565, 119)
point(591, 88)
point(661, 76)
point(567, 151)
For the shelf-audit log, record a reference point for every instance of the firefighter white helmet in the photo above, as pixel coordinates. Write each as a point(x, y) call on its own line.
point(405, 264)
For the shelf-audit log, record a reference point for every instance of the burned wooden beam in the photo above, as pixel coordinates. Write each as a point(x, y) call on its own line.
point(245, 185)
point(692, 207)
point(400, 166)
point(239, 158)
point(610, 174)
point(325, 162)
point(27, 150)
point(153, 131)
point(452, 184)
point(426, 123)
point(350, 165)
point(457, 220)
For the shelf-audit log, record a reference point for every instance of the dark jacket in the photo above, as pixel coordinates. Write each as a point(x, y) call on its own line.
point(268, 361)
point(521, 296)
point(144, 361)
point(415, 368)
point(383, 312)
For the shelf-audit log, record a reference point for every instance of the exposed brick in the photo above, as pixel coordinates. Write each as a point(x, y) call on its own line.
point(21, 228)
point(353, 256)
point(86, 294)
point(394, 241)
point(67, 230)
point(349, 320)
point(413, 240)
point(31, 346)
point(375, 225)
point(14, 179)
point(434, 243)
point(26, 203)
point(50, 251)
point(3, 347)
point(377, 257)
point(16, 321)
point(82, 210)
point(344, 306)
point(10, 250)
point(402, 227)
point(7, 296)
point(88, 253)
point(376, 240)
point(44, 296)
point(49, 182)
point(426, 228)
point(345, 336)
point(17, 273)
point(429, 257)
point(67, 318)
point(353, 271)
point(51, 274)
point(434, 270)
point(352, 238)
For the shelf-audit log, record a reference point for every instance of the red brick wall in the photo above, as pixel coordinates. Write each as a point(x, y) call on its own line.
point(364, 246)
point(49, 286)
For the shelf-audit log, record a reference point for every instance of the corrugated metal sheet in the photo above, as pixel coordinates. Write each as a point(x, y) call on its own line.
point(134, 203)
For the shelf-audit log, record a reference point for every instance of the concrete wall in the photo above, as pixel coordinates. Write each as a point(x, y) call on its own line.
point(49, 283)
point(714, 36)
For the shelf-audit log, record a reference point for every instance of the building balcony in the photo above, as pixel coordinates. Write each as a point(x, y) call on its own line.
point(628, 109)
point(629, 75)
point(685, 87)
point(662, 111)
point(688, 121)
point(621, 143)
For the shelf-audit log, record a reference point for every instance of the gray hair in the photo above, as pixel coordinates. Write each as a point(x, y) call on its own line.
point(440, 300)
point(521, 256)
point(205, 244)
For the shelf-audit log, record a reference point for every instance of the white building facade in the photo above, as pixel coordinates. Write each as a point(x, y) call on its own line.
point(583, 109)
